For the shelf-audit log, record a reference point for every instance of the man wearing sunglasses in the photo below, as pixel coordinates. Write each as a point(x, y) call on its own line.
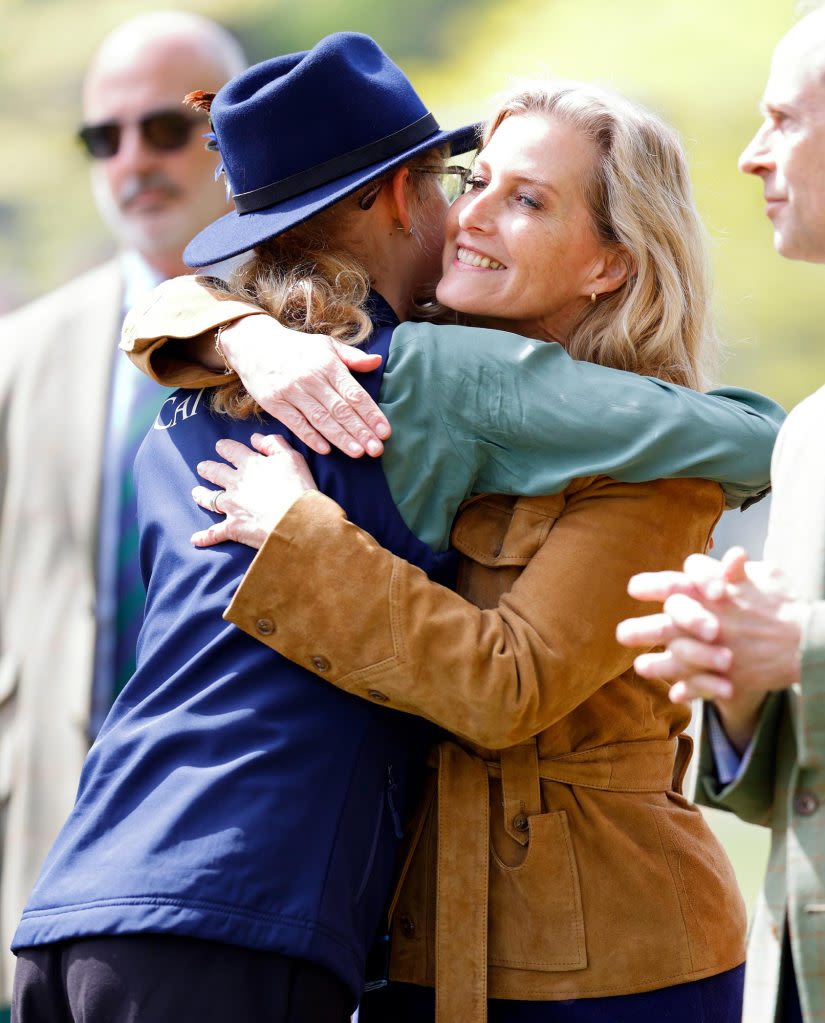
point(152, 178)
point(68, 623)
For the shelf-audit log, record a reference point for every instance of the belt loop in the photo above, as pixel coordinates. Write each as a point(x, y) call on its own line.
point(520, 787)
point(684, 752)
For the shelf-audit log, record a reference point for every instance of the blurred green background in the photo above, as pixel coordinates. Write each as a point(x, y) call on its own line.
point(700, 63)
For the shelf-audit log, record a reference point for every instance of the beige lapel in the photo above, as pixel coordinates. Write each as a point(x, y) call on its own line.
point(89, 349)
point(796, 531)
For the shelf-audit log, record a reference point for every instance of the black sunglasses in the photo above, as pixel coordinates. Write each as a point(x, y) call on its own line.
point(164, 130)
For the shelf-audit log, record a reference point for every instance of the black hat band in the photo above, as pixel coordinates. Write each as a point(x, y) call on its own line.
point(339, 167)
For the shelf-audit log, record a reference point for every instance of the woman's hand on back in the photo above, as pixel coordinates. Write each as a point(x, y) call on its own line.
point(304, 381)
point(258, 487)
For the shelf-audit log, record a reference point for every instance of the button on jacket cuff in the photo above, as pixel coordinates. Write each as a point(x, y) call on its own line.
point(315, 523)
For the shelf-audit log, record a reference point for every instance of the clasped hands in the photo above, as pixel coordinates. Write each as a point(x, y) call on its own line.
point(730, 630)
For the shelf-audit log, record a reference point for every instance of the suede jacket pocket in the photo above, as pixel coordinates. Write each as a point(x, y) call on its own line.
point(496, 530)
point(536, 920)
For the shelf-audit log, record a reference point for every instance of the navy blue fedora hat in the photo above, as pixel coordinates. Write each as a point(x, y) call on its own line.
point(299, 132)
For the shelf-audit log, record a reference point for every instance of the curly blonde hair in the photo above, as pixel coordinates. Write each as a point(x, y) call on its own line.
point(309, 279)
point(640, 197)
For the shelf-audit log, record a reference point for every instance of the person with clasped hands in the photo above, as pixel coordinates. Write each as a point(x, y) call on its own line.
point(749, 637)
point(563, 761)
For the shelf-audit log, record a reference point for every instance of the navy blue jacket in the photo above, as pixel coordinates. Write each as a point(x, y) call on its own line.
point(232, 795)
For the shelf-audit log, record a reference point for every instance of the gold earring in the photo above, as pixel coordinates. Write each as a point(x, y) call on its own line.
point(592, 297)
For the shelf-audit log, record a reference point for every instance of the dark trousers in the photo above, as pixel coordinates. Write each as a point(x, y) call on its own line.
point(157, 978)
point(713, 1000)
point(790, 1007)
point(790, 1010)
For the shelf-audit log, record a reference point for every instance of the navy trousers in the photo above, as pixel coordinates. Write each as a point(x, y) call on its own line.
point(157, 978)
point(790, 1009)
point(713, 1000)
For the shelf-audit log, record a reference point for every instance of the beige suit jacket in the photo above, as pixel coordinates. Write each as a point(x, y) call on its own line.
point(55, 368)
point(782, 785)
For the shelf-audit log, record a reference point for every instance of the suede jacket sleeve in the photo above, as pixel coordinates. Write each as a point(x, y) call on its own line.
point(495, 677)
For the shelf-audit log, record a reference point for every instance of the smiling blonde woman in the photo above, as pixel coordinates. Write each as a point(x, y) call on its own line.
point(553, 871)
point(650, 314)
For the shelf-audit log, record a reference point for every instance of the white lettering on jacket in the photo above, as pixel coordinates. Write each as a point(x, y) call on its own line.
point(179, 411)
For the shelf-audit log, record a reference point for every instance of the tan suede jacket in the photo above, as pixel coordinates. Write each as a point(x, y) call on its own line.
point(554, 856)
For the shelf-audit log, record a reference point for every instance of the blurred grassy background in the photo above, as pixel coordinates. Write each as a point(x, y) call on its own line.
point(700, 63)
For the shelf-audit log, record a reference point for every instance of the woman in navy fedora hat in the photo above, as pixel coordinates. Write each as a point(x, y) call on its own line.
point(234, 838)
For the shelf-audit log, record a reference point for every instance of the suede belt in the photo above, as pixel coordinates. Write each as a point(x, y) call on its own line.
point(464, 849)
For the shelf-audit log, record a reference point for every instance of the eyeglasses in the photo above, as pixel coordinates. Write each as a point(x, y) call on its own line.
point(367, 200)
point(163, 130)
point(451, 180)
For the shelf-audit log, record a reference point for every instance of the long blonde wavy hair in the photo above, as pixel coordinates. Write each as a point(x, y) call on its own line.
point(640, 197)
point(657, 323)
point(310, 279)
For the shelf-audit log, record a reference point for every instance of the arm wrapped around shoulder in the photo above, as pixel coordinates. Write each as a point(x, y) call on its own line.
point(170, 335)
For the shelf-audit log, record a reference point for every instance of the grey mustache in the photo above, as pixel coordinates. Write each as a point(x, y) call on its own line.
point(144, 183)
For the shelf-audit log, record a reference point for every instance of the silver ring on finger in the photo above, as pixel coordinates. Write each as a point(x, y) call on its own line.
point(213, 502)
